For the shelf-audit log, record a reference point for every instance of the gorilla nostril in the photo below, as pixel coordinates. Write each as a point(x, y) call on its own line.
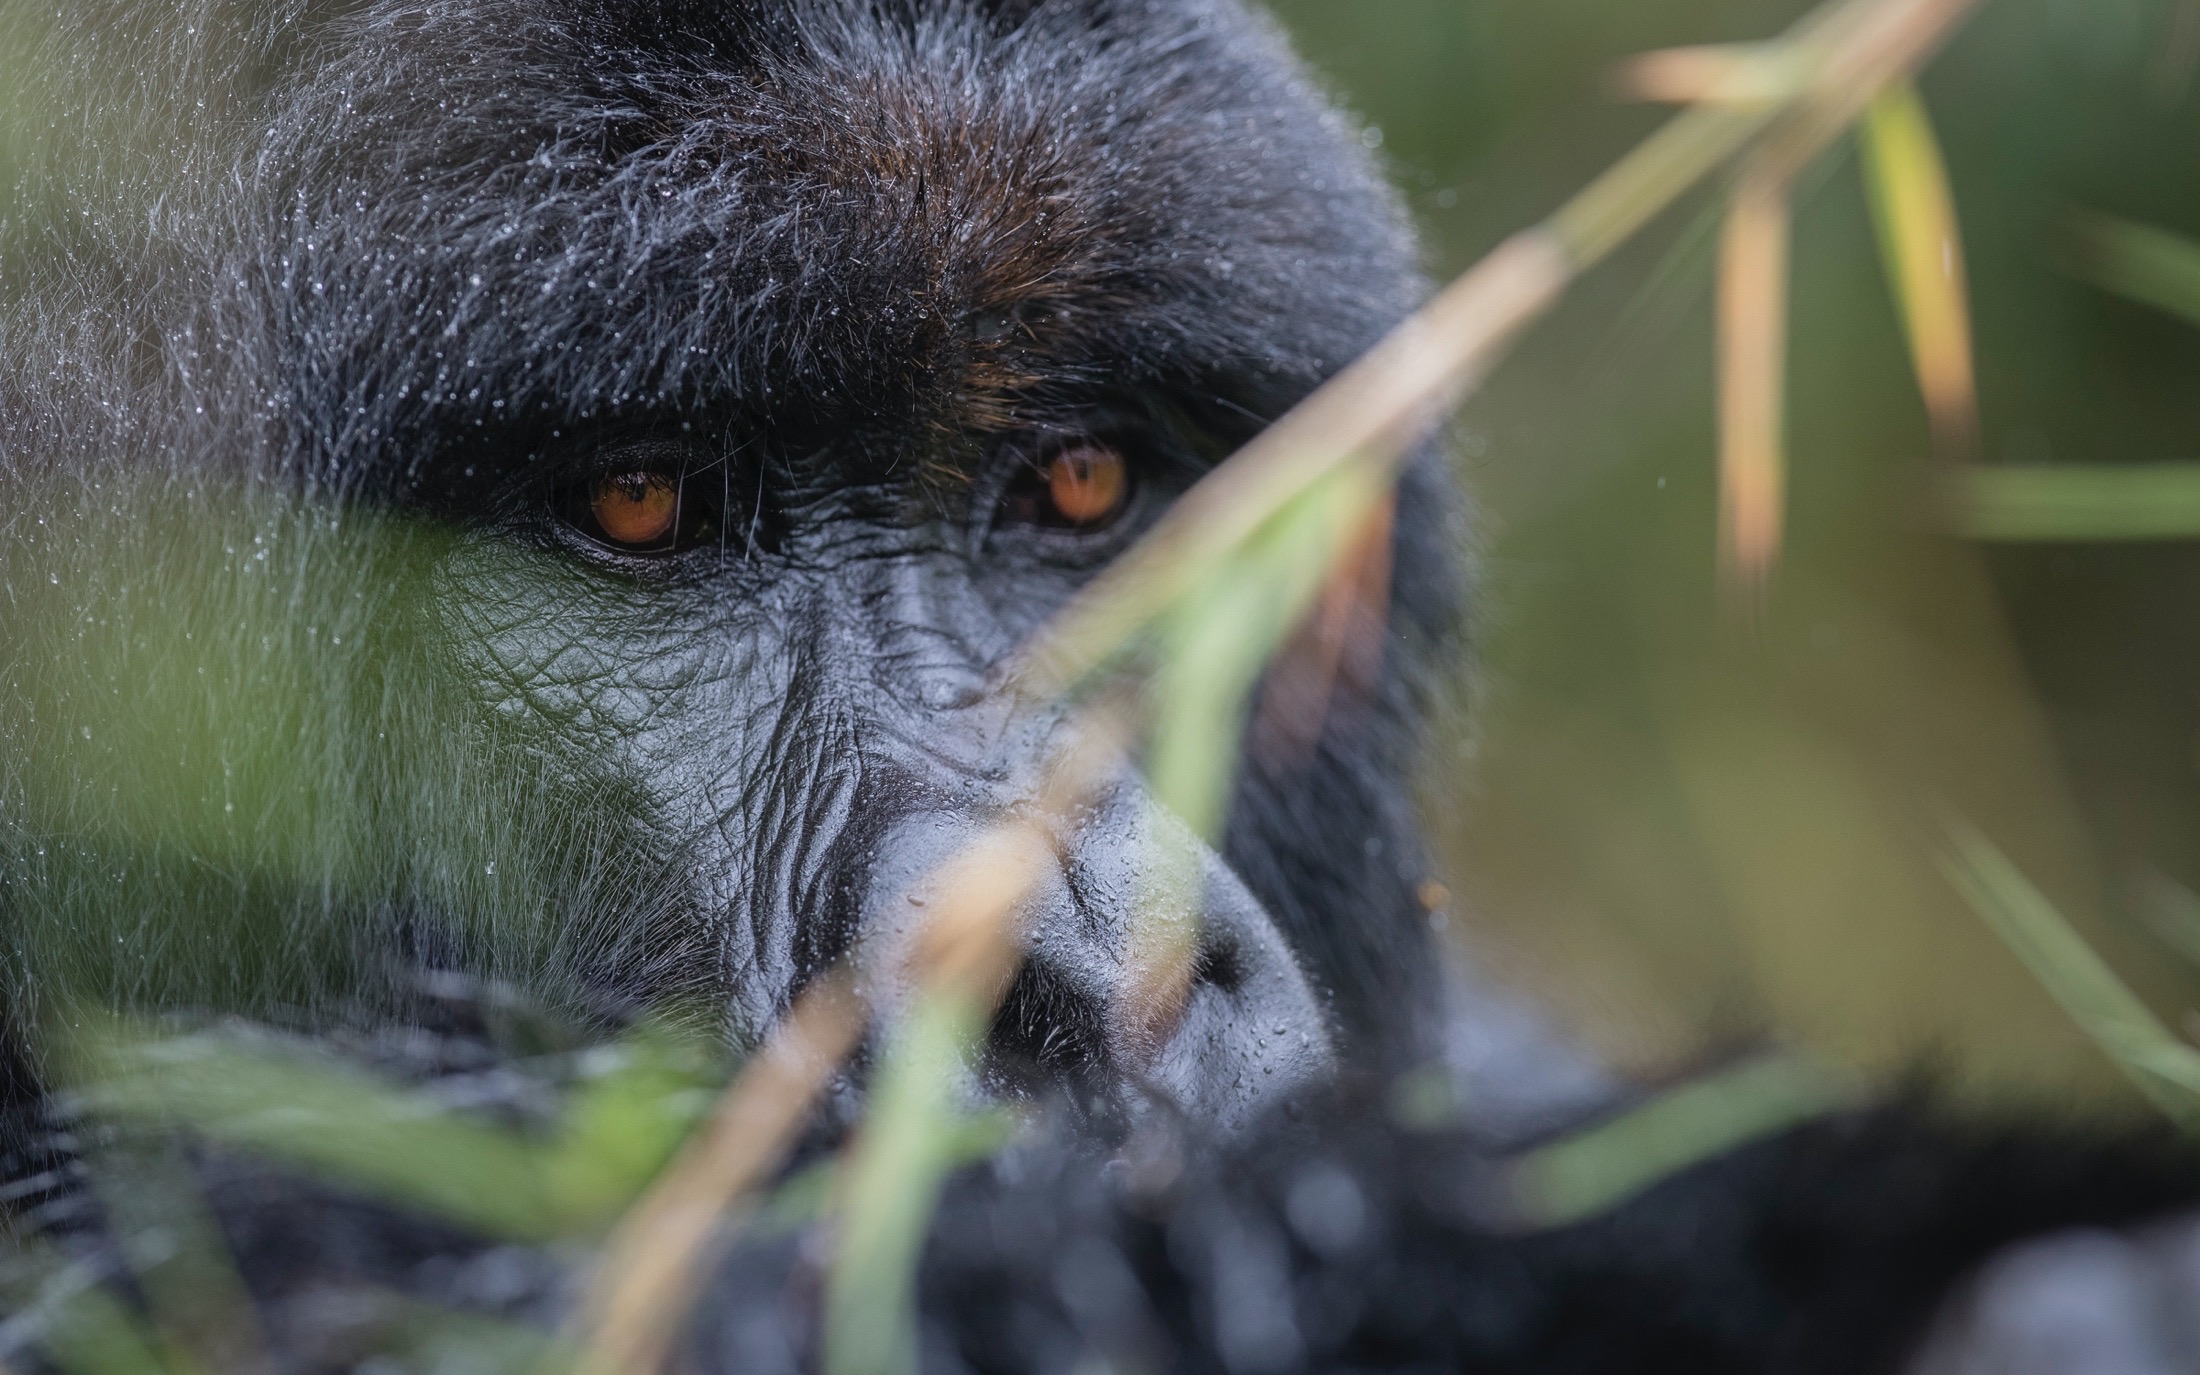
point(1220, 962)
point(1046, 1031)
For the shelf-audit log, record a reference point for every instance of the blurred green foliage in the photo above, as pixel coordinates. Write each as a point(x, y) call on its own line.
point(624, 1112)
point(1689, 829)
point(1597, 1169)
point(2164, 1068)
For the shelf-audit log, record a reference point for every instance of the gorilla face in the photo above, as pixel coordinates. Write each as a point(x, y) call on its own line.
point(550, 489)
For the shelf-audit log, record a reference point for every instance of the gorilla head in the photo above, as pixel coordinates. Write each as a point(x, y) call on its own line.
point(545, 489)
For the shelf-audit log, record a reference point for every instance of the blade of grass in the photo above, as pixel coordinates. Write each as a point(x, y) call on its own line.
point(620, 1128)
point(1216, 644)
point(916, 1132)
point(2172, 912)
point(910, 1135)
point(1750, 75)
point(173, 1243)
point(1370, 416)
point(1731, 73)
point(1339, 647)
point(654, 1264)
point(341, 1122)
point(390, 1139)
point(901, 1157)
point(1582, 1176)
point(1753, 319)
point(1921, 247)
point(2096, 502)
point(98, 1335)
point(1214, 649)
point(2139, 262)
point(64, 1309)
point(2164, 1068)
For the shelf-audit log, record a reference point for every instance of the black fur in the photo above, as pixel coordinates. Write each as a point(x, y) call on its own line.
point(1826, 1250)
point(1340, 1243)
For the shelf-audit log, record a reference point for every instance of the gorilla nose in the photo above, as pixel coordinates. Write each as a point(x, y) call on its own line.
point(1121, 990)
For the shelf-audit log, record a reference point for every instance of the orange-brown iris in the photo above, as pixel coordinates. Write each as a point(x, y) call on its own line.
point(1087, 484)
point(638, 509)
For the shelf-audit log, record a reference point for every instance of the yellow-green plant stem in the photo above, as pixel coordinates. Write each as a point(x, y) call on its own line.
point(908, 1143)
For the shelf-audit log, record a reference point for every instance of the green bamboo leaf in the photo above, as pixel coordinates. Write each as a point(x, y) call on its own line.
point(193, 1295)
point(328, 1117)
point(906, 1149)
point(2151, 266)
point(616, 1134)
point(2022, 503)
point(95, 1334)
point(624, 1124)
point(1596, 1171)
point(64, 1307)
point(2164, 1068)
point(1921, 246)
point(1217, 642)
point(2172, 912)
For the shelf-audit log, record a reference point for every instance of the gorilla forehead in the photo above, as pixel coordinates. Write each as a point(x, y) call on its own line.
point(845, 217)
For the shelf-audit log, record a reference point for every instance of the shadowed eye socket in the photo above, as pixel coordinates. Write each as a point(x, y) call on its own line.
point(652, 508)
point(1084, 486)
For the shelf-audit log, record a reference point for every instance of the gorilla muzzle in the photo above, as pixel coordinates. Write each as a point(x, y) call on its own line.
point(1145, 964)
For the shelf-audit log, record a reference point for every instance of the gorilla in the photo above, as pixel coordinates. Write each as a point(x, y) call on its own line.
point(717, 395)
point(537, 496)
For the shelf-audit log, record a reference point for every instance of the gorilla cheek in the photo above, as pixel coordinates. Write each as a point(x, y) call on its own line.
point(632, 725)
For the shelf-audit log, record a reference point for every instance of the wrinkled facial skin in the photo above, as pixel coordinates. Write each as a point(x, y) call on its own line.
point(844, 275)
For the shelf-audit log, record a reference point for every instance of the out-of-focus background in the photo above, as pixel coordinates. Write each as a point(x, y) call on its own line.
point(1687, 830)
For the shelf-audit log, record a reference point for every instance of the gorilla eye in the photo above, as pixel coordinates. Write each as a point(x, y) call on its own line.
point(1082, 487)
point(636, 509)
point(662, 508)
